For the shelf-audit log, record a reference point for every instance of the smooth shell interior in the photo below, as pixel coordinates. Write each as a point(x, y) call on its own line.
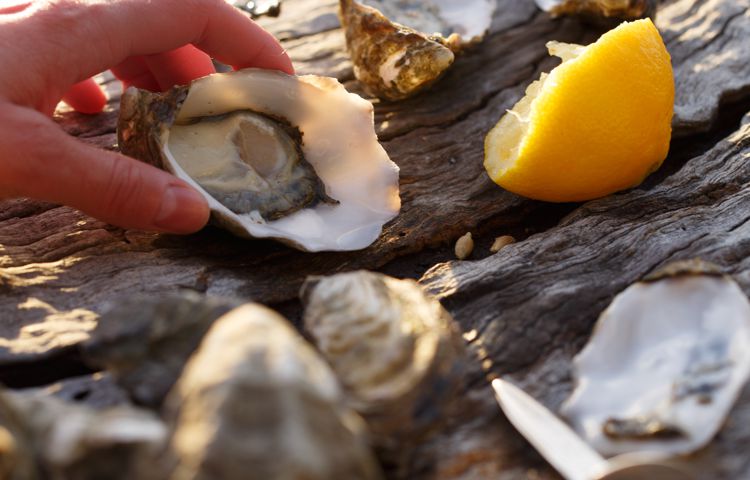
point(339, 141)
point(675, 352)
point(470, 19)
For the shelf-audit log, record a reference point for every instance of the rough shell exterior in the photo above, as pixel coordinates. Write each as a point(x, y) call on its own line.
point(257, 402)
point(666, 362)
point(74, 442)
point(395, 350)
point(392, 61)
point(144, 341)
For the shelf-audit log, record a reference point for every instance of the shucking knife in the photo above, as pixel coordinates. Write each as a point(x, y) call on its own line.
point(572, 457)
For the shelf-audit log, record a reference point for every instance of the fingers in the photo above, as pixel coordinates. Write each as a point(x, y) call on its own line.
point(135, 72)
point(97, 34)
point(86, 97)
point(39, 160)
point(8, 7)
point(179, 67)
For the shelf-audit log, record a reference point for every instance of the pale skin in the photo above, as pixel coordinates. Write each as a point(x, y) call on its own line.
point(49, 49)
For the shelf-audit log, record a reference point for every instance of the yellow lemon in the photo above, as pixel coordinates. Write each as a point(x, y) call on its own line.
point(598, 123)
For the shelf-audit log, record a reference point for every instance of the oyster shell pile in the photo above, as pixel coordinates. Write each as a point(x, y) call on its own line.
point(665, 364)
point(277, 156)
point(257, 402)
point(400, 47)
point(616, 9)
point(394, 349)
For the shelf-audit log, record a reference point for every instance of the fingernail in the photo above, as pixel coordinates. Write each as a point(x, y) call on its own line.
point(183, 210)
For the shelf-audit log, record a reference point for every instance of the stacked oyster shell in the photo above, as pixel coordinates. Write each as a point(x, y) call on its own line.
point(401, 47)
point(277, 156)
point(665, 364)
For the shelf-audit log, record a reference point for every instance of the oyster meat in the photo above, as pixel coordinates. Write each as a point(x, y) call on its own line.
point(257, 402)
point(615, 9)
point(665, 364)
point(395, 350)
point(400, 47)
point(277, 156)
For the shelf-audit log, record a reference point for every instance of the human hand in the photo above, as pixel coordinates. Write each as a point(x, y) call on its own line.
point(48, 48)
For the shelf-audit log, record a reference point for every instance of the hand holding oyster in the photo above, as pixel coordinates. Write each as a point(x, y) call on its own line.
point(276, 156)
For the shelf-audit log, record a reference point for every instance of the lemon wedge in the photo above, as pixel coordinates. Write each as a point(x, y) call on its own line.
point(598, 123)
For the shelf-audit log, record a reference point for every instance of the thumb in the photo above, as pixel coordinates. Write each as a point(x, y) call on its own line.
point(39, 160)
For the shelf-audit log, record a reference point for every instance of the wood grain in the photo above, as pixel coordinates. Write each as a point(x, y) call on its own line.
point(525, 310)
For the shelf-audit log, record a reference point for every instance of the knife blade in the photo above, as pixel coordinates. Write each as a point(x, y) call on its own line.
point(573, 458)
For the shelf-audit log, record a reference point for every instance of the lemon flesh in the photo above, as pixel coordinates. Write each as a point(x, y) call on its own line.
point(598, 123)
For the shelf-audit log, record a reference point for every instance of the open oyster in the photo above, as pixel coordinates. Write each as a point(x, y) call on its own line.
point(394, 349)
point(400, 47)
point(616, 9)
point(277, 156)
point(667, 360)
point(257, 402)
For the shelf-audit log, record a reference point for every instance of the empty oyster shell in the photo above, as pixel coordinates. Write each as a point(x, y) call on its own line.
point(277, 156)
point(394, 349)
point(257, 402)
point(667, 360)
point(617, 9)
point(400, 47)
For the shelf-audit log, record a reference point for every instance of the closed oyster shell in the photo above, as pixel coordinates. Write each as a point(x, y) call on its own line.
point(75, 442)
point(319, 139)
point(392, 57)
point(257, 402)
point(395, 350)
point(666, 362)
point(17, 460)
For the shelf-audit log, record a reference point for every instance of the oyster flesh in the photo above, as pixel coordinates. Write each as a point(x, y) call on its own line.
point(395, 350)
point(667, 360)
point(257, 402)
point(276, 156)
point(400, 47)
point(616, 9)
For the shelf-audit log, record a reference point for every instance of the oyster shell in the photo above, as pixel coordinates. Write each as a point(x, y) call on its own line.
point(667, 360)
point(400, 47)
point(395, 350)
point(257, 402)
point(68, 441)
point(277, 156)
point(144, 341)
point(616, 9)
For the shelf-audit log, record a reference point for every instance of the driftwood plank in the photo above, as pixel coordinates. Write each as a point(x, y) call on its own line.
point(60, 268)
point(529, 308)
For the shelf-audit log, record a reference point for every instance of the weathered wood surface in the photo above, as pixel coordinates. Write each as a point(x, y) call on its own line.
point(524, 311)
